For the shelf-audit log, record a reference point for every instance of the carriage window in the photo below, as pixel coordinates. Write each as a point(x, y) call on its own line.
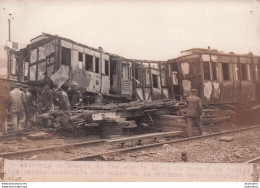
point(236, 72)
point(96, 65)
point(226, 73)
point(80, 59)
point(33, 72)
point(155, 81)
point(125, 71)
point(107, 68)
point(214, 71)
point(88, 63)
point(26, 67)
point(66, 56)
point(41, 70)
point(80, 56)
point(257, 72)
point(13, 66)
point(245, 71)
point(206, 70)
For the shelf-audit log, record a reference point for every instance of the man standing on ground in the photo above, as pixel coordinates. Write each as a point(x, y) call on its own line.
point(29, 107)
point(194, 112)
point(77, 98)
point(47, 96)
point(4, 103)
point(17, 108)
point(62, 99)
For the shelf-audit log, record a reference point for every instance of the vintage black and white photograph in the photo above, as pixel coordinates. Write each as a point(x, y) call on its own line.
point(126, 90)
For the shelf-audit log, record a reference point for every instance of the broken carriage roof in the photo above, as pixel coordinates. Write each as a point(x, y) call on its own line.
point(193, 51)
point(115, 57)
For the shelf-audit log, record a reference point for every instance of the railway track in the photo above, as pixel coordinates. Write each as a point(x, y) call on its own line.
point(110, 149)
point(52, 148)
point(254, 160)
point(99, 155)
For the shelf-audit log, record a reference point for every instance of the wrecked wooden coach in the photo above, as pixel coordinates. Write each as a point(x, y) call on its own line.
point(93, 71)
point(220, 78)
point(224, 81)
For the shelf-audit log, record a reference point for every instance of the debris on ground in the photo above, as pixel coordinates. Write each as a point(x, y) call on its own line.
point(40, 135)
point(165, 146)
point(226, 138)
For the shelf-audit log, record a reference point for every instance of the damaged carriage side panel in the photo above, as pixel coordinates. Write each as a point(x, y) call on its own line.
point(77, 65)
point(220, 78)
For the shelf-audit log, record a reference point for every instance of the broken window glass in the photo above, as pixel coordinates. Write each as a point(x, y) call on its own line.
point(257, 72)
point(96, 65)
point(80, 58)
point(88, 63)
point(245, 72)
point(206, 69)
point(225, 70)
point(175, 78)
point(41, 70)
point(42, 53)
point(236, 72)
point(107, 68)
point(26, 67)
point(155, 81)
point(33, 72)
point(13, 66)
point(147, 78)
point(125, 71)
point(33, 56)
point(66, 56)
point(214, 71)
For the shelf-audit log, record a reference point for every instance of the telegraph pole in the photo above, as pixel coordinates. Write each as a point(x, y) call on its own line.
point(10, 17)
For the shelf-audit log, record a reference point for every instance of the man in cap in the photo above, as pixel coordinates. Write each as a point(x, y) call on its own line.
point(47, 80)
point(194, 112)
point(62, 99)
point(47, 96)
point(29, 106)
point(17, 108)
point(77, 98)
point(4, 103)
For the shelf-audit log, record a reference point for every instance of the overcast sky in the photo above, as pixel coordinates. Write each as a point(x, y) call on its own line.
point(143, 29)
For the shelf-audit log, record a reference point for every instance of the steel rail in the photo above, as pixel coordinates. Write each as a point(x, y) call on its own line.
point(255, 160)
point(51, 148)
point(94, 156)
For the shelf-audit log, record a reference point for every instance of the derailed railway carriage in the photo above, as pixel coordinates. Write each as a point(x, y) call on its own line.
point(78, 66)
point(220, 78)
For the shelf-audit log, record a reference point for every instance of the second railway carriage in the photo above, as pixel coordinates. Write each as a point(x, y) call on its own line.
point(220, 78)
point(78, 66)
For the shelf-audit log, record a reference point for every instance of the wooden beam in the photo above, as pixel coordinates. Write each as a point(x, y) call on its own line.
point(150, 78)
point(143, 80)
point(134, 82)
point(160, 72)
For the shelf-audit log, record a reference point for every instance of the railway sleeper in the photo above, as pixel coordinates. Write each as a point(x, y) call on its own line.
point(139, 139)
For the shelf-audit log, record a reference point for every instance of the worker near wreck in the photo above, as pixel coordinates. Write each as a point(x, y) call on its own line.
point(77, 98)
point(29, 106)
point(17, 107)
point(62, 99)
point(4, 103)
point(194, 112)
point(47, 97)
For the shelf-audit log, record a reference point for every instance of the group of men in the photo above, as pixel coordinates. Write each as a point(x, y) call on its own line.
point(22, 105)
